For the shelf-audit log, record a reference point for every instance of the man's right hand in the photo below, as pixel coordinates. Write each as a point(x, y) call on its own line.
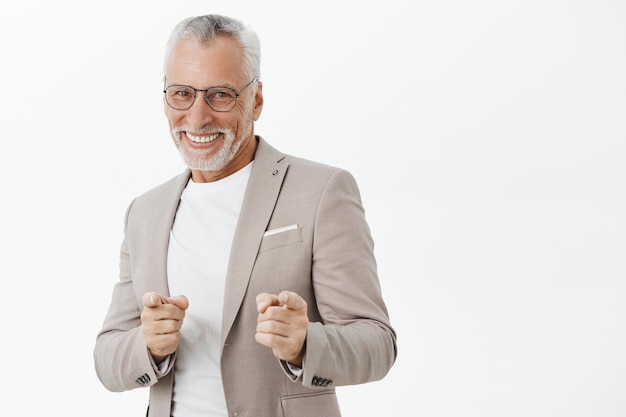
point(161, 320)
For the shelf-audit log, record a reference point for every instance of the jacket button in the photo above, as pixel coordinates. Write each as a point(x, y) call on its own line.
point(143, 379)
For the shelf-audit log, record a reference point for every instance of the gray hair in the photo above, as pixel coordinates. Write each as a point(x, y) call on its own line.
point(204, 29)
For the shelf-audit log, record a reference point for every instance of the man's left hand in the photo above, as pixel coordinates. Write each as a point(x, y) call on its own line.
point(282, 325)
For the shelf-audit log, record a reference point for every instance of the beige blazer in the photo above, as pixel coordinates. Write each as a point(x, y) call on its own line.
point(327, 258)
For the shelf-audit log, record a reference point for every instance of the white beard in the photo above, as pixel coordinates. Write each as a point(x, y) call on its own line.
point(199, 160)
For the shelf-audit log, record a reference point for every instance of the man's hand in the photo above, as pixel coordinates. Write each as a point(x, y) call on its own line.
point(161, 320)
point(282, 325)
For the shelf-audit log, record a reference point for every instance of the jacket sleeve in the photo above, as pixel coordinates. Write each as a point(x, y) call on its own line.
point(121, 357)
point(354, 342)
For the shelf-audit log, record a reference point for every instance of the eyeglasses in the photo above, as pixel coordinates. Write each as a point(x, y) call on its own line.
point(220, 99)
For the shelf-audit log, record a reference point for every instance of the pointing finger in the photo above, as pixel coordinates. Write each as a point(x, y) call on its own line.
point(152, 299)
point(264, 300)
point(179, 301)
point(292, 300)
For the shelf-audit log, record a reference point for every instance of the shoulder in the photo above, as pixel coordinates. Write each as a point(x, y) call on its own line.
point(300, 169)
point(161, 196)
point(319, 176)
point(309, 182)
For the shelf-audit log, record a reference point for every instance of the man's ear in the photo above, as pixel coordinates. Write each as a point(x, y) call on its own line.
point(258, 101)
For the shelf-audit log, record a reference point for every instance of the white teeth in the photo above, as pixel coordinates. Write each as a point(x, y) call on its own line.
point(202, 139)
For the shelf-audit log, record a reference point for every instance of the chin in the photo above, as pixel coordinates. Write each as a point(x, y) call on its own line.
point(200, 162)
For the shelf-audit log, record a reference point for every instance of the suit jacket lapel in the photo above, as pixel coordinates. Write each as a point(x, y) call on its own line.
point(162, 228)
point(262, 191)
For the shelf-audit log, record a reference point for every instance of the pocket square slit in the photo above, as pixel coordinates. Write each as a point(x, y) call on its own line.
point(280, 230)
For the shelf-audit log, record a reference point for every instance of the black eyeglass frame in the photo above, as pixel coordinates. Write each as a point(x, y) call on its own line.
point(206, 95)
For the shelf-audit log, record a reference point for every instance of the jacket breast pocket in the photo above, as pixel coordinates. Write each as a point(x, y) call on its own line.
point(284, 236)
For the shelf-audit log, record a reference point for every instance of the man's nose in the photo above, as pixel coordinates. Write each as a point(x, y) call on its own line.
point(200, 113)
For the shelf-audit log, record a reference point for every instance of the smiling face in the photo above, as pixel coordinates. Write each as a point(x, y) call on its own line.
point(213, 144)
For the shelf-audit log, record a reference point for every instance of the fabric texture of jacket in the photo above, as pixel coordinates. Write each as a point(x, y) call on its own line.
point(327, 258)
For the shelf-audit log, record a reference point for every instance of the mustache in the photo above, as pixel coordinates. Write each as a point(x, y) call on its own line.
point(202, 131)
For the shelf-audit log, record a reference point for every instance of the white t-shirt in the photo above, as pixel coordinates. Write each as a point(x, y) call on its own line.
point(197, 261)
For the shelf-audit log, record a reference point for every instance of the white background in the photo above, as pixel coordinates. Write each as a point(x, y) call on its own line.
point(488, 139)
